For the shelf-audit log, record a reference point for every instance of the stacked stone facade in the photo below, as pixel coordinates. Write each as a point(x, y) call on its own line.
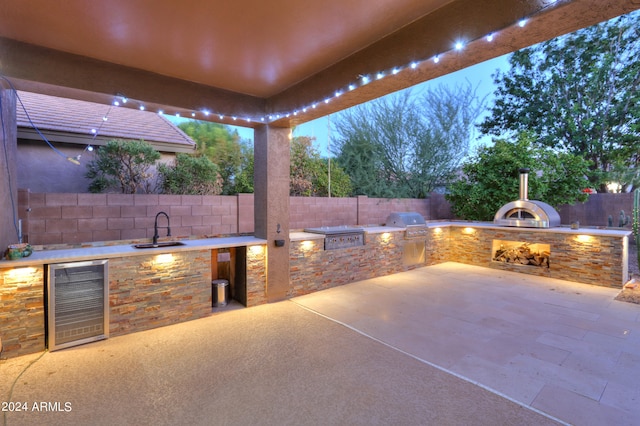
point(156, 290)
point(580, 257)
point(22, 310)
point(256, 275)
point(313, 268)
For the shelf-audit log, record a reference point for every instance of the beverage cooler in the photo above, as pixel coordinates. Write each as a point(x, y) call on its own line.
point(78, 303)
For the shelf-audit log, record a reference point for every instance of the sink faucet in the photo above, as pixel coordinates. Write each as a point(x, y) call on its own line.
point(155, 227)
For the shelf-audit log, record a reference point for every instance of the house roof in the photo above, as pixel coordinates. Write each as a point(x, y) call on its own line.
point(73, 121)
point(256, 58)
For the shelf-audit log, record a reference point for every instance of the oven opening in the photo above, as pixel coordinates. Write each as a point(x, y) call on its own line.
point(519, 214)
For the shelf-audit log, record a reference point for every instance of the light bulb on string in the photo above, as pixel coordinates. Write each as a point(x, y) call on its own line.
point(364, 79)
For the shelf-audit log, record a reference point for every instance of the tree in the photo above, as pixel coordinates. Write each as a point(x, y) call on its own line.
point(309, 172)
point(404, 145)
point(191, 175)
point(220, 145)
point(123, 165)
point(244, 179)
point(577, 93)
point(491, 178)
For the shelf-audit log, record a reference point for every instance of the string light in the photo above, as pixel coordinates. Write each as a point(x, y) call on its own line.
point(362, 79)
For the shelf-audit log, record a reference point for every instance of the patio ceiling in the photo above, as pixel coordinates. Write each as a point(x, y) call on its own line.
point(254, 58)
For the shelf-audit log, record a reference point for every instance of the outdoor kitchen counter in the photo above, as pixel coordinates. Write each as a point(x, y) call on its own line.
point(307, 236)
point(603, 232)
point(45, 257)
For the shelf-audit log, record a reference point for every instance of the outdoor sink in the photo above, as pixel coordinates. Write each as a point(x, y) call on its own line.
point(161, 244)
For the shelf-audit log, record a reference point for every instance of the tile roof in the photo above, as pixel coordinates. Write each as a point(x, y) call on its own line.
point(74, 116)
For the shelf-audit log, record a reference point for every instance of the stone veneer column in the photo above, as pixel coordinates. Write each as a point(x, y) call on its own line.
point(271, 204)
point(8, 170)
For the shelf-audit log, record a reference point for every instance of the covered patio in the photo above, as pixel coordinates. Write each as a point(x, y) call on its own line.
point(447, 344)
point(269, 66)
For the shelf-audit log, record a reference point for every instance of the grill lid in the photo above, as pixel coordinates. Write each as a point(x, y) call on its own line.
point(405, 219)
point(526, 213)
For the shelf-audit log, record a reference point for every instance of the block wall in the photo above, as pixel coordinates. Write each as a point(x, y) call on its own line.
point(152, 291)
point(22, 311)
point(60, 218)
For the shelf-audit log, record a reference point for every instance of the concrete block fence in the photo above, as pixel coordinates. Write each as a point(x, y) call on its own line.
point(74, 218)
point(50, 219)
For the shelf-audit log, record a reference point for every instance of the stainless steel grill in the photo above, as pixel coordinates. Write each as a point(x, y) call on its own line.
point(414, 224)
point(526, 213)
point(338, 237)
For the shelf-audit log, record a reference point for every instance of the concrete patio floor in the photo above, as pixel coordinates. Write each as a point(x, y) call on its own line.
point(449, 344)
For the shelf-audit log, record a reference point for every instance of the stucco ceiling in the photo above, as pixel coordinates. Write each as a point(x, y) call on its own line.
point(252, 58)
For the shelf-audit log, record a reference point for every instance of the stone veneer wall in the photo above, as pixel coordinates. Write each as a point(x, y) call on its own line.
point(314, 269)
point(256, 275)
point(597, 260)
point(22, 310)
point(152, 291)
point(438, 245)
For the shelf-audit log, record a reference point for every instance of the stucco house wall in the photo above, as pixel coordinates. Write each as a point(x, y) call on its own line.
point(73, 126)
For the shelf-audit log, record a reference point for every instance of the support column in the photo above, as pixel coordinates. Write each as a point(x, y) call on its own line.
point(271, 204)
point(8, 170)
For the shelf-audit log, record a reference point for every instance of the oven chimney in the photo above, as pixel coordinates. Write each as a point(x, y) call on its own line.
point(524, 184)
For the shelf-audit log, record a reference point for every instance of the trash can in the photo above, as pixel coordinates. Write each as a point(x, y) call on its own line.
point(219, 292)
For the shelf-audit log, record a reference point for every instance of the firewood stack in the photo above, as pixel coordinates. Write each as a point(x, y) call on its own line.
point(522, 255)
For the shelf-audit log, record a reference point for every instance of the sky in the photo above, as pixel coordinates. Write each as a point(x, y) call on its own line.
point(478, 75)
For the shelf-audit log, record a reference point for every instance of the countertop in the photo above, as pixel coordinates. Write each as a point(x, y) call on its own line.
point(604, 232)
point(105, 252)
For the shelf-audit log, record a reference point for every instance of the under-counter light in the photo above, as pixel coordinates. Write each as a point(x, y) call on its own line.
point(20, 272)
point(257, 249)
point(468, 230)
point(385, 237)
point(163, 259)
point(437, 230)
point(584, 238)
point(307, 245)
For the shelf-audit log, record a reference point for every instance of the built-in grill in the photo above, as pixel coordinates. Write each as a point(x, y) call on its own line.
point(414, 224)
point(527, 213)
point(338, 237)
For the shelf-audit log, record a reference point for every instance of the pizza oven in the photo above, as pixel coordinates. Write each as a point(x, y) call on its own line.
point(525, 213)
